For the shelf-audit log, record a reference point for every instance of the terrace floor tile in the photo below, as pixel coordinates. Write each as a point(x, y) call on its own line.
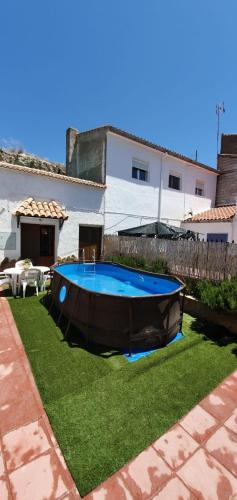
point(175, 446)
point(174, 489)
point(13, 382)
point(148, 471)
point(223, 446)
point(230, 387)
point(6, 341)
point(40, 479)
point(24, 444)
point(199, 424)
point(207, 478)
point(218, 404)
point(27, 411)
point(115, 488)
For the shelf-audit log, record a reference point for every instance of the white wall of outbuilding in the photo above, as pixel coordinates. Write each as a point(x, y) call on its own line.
point(83, 204)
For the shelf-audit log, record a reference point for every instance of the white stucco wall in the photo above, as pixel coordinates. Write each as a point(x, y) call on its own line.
point(203, 228)
point(130, 202)
point(83, 204)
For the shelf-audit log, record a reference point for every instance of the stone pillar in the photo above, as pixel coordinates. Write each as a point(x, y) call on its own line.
point(71, 148)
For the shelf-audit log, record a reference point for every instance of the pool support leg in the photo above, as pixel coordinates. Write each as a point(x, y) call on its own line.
point(182, 309)
point(72, 311)
point(130, 332)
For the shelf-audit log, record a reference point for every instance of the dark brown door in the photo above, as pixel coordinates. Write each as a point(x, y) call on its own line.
point(37, 244)
point(90, 239)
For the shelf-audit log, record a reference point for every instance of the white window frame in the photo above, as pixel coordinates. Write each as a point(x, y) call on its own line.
point(175, 174)
point(141, 165)
point(200, 185)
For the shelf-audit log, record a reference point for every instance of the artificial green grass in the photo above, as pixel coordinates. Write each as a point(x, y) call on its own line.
point(105, 410)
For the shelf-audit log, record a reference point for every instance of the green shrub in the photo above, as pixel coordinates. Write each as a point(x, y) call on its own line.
point(222, 296)
point(192, 287)
point(158, 266)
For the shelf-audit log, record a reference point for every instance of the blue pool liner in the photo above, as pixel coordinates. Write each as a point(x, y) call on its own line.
point(142, 354)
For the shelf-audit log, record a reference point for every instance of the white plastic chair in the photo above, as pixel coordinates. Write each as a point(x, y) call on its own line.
point(30, 277)
point(22, 263)
point(45, 277)
point(5, 279)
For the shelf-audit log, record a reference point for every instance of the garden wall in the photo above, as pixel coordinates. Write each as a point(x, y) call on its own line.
point(228, 319)
point(197, 259)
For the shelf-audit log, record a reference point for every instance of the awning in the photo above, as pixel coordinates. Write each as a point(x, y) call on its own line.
point(42, 209)
point(160, 230)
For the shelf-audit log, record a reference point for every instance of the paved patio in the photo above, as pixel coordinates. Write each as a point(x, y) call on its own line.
point(196, 458)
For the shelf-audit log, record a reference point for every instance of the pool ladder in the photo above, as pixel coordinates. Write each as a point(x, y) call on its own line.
point(90, 264)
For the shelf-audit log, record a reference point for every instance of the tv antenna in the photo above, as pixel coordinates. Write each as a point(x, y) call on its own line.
point(220, 109)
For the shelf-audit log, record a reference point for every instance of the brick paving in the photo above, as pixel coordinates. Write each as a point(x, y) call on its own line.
point(31, 463)
point(195, 459)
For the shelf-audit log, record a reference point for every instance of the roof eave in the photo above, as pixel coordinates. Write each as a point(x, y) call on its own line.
point(144, 142)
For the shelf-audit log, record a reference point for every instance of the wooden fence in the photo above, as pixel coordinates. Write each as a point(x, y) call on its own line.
point(214, 261)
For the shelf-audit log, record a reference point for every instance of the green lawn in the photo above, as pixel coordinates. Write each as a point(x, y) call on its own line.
point(105, 410)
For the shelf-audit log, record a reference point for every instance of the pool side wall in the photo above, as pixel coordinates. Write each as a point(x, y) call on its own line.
point(117, 321)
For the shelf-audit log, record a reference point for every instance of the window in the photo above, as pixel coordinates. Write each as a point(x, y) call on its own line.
point(199, 189)
point(174, 182)
point(139, 170)
point(217, 237)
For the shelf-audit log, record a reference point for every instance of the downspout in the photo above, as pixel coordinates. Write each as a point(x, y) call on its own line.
point(160, 187)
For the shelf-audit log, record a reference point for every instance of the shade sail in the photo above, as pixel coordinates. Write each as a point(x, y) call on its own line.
point(159, 230)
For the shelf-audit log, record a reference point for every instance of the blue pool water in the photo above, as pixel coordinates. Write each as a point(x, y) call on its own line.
point(115, 280)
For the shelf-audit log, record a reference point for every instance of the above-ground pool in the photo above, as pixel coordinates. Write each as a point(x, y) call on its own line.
point(118, 306)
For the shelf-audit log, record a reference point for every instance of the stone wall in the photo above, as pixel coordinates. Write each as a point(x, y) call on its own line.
point(31, 161)
point(226, 192)
point(85, 155)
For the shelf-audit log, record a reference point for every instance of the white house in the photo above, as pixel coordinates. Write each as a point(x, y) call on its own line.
point(144, 182)
point(215, 224)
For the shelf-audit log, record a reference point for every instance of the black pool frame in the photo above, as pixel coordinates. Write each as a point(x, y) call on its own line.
point(119, 322)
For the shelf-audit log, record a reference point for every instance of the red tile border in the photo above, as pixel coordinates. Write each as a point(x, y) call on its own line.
point(31, 463)
point(179, 463)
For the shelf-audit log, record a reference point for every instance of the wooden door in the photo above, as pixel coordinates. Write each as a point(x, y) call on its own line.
point(37, 244)
point(90, 239)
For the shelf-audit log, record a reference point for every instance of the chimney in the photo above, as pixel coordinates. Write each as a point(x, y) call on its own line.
point(71, 160)
point(229, 144)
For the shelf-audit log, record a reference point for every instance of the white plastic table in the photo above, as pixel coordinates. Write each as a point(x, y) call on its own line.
point(14, 272)
point(43, 270)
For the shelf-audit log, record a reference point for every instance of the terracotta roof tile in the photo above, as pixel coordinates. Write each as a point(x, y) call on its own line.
point(225, 213)
point(49, 210)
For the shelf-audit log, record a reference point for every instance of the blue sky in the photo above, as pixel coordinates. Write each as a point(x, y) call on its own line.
point(156, 68)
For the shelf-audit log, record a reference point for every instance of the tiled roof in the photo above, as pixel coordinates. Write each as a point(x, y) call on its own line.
point(46, 209)
point(221, 214)
point(64, 178)
point(145, 142)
